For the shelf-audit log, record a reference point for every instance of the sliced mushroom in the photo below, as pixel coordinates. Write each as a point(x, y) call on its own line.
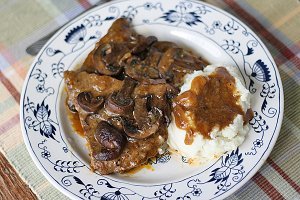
point(176, 62)
point(165, 63)
point(133, 131)
point(109, 57)
point(130, 128)
point(164, 104)
point(141, 72)
point(115, 121)
point(181, 67)
point(111, 139)
point(153, 58)
point(147, 120)
point(161, 97)
point(143, 113)
point(115, 53)
point(121, 103)
point(142, 44)
point(89, 103)
point(146, 72)
point(188, 60)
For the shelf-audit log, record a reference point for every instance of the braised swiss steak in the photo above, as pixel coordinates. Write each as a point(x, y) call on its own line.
point(122, 94)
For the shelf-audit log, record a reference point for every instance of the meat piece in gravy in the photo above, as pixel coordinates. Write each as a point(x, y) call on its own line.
point(134, 151)
point(123, 94)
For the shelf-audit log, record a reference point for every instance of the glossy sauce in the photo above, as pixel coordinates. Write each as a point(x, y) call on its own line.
point(211, 102)
point(75, 122)
point(139, 168)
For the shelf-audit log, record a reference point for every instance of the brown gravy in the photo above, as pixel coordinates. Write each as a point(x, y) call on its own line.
point(75, 122)
point(139, 168)
point(209, 102)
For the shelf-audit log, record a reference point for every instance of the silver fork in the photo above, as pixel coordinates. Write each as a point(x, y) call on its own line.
point(35, 47)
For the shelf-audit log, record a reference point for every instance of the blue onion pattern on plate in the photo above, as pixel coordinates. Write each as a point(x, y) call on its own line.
point(54, 150)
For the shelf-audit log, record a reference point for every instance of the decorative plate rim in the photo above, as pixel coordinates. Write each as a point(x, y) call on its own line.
point(233, 189)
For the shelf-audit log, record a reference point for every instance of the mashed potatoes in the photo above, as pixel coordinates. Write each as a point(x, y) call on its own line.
point(205, 149)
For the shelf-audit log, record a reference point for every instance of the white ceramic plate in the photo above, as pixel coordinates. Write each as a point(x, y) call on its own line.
point(214, 34)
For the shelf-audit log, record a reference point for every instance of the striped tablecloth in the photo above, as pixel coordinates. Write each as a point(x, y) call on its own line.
point(277, 22)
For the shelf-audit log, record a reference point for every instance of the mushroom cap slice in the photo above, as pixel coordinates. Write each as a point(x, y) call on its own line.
point(147, 120)
point(176, 62)
point(119, 106)
point(133, 131)
point(161, 95)
point(111, 139)
point(142, 44)
point(141, 72)
point(102, 59)
point(121, 103)
point(89, 103)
